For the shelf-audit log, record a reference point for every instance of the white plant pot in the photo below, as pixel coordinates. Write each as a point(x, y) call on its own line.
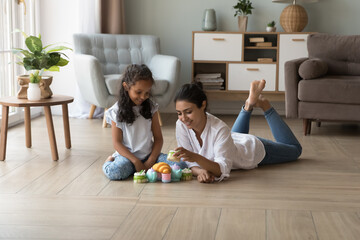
point(271, 29)
point(33, 92)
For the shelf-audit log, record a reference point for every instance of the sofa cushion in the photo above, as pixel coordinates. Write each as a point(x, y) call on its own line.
point(160, 87)
point(340, 52)
point(313, 68)
point(113, 82)
point(331, 89)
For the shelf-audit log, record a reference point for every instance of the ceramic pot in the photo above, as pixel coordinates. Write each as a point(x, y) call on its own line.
point(209, 20)
point(271, 29)
point(33, 92)
point(23, 81)
point(242, 23)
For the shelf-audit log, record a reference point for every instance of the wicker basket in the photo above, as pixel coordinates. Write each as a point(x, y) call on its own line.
point(293, 18)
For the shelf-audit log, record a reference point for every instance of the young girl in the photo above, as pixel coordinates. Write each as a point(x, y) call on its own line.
point(209, 147)
point(136, 132)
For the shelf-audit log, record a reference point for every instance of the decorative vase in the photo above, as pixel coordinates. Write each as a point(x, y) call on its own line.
point(209, 20)
point(242, 23)
point(33, 92)
point(271, 29)
point(24, 80)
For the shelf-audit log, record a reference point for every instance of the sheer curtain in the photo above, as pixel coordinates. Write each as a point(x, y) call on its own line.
point(14, 15)
point(98, 16)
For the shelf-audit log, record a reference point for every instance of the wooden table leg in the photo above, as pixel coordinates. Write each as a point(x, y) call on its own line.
point(3, 134)
point(66, 125)
point(27, 122)
point(51, 132)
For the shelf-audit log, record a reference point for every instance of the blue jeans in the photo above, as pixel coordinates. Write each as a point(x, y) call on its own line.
point(286, 147)
point(121, 168)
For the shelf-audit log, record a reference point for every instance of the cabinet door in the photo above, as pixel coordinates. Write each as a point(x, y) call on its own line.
point(217, 47)
point(241, 75)
point(292, 46)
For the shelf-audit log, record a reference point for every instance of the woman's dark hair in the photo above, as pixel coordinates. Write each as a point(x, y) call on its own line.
point(193, 93)
point(132, 74)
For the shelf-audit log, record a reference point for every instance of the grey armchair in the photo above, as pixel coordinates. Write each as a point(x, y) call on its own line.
point(100, 59)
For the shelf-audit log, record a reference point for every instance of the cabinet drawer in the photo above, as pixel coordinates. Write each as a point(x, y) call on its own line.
point(241, 75)
point(217, 47)
point(292, 46)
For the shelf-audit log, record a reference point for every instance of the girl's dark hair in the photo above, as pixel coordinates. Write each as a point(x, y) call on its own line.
point(193, 93)
point(132, 74)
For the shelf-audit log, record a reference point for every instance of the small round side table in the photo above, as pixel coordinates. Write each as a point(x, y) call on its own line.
point(26, 104)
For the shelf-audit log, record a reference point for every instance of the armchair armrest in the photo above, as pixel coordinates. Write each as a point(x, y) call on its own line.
point(292, 79)
point(166, 68)
point(91, 81)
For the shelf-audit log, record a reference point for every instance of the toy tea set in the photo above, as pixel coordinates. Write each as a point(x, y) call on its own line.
point(164, 172)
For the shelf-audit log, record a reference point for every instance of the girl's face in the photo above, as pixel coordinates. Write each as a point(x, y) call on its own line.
point(139, 92)
point(192, 116)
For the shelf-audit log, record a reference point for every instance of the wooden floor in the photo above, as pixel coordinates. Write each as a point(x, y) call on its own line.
point(317, 197)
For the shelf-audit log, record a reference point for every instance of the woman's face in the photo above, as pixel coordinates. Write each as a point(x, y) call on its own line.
point(139, 92)
point(192, 116)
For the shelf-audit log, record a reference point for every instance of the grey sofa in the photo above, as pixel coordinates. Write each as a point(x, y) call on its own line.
point(100, 59)
point(326, 85)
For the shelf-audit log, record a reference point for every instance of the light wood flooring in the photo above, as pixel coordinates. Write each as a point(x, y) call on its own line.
point(317, 197)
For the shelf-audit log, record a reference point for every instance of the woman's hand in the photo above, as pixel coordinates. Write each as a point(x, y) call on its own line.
point(205, 176)
point(186, 155)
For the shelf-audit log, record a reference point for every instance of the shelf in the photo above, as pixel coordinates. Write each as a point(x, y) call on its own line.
point(251, 47)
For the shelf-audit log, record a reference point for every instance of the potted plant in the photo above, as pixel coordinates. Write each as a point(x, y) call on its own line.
point(243, 8)
point(271, 27)
point(36, 59)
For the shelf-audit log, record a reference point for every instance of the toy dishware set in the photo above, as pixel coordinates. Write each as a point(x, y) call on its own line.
point(164, 172)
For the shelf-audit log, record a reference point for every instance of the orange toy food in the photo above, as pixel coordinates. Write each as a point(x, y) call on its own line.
point(162, 167)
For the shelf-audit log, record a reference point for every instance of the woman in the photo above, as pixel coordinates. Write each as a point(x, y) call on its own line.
point(212, 150)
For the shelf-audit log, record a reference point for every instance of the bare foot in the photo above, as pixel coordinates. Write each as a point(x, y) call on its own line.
point(263, 103)
point(256, 88)
point(109, 159)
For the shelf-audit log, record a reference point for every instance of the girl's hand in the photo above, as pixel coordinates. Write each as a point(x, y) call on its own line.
point(139, 166)
point(186, 155)
point(149, 163)
point(205, 176)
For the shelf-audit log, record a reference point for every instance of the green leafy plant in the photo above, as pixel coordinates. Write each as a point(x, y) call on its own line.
point(39, 58)
point(243, 7)
point(271, 24)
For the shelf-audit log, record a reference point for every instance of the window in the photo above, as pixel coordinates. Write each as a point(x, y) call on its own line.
point(15, 14)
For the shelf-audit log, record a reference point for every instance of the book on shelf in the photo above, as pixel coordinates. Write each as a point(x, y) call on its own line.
point(265, 60)
point(207, 75)
point(263, 44)
point(214, 87)
point(256, 39)
point(210, 80)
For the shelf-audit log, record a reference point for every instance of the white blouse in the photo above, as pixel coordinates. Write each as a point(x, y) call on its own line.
point(138, 136)
point(229, 149)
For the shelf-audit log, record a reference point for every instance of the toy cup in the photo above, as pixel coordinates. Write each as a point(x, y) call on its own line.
point(151, 175)
point(171, 156)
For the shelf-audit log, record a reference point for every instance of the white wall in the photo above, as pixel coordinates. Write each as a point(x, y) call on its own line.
point(58, 21)
point(174, 20)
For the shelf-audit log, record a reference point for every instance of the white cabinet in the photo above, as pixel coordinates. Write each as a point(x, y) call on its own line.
point(292, 46)
point(217, 47)
point(240, 60)
point(241, 75)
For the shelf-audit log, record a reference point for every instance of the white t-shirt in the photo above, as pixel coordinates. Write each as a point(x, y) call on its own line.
point(229, 149)
point(138, 136)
